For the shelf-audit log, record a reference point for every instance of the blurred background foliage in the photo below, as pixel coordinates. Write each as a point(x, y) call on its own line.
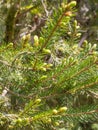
point(48, 65)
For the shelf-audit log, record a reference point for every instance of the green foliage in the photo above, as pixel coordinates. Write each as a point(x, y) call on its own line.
point(51, 84)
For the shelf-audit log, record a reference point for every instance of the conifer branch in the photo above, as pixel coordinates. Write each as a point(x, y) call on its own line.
point(78, 73)
point(82, 113)
point(54, 29)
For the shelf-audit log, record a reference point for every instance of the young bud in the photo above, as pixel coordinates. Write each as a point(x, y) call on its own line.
point(67, 18)
point(95, 53)
point(10, 44)
point(46, 51)
point(75, 23)
point(75, 47)
point(55, 111)
point(36, 41)
point(78, 34)
point(63, 5)
point(42, 68)
point(10, 127)
point(43, 77)
point(28, 36)
point(63, 109)
point(72, 4)
point(23, 38)
point(41, 40)
point(56, 124)
point(85, 43)
point(38, 100)
point(94, 46)
point(49, 120)
point(36, 38)
point(77, 27)
point(90, 45)
point(19, 120)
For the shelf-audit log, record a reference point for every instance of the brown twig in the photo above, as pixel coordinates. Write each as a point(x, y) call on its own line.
point(43, 3)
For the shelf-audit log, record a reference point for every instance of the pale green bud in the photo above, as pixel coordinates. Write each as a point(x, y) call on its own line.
point(72, 4)
point(43, 68)
point(55, 111)
point(63, 109)
point(75, 22)
point(10, 44)
point(19, 120)
point(78, 34)
point(41, 40)
point(94, 46)
point(90, 45)
point(77, 27)
point(38, 100)
point(36, 38)
point(36, 41)
point(56, 124)
point(46, 51)
point(49, 120)
point(43, 77)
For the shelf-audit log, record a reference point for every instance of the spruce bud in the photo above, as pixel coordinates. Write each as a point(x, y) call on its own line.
point(55, 111)
point(72, 4)
point(46, 51)
point(38, 100)
point(63, 109)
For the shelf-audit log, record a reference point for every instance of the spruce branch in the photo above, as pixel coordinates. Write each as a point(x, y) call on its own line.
point(85, 86)
point(20, 68)
point(78, 73)
point(82, 113)
point(54, 29)
point(70, 91)
point(54, 76)
point(21, 53)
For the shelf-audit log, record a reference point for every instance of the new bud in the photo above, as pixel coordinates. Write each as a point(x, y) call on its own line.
point(55, 111)
point(38, 100)
point(72, 4)
point(63, 109)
